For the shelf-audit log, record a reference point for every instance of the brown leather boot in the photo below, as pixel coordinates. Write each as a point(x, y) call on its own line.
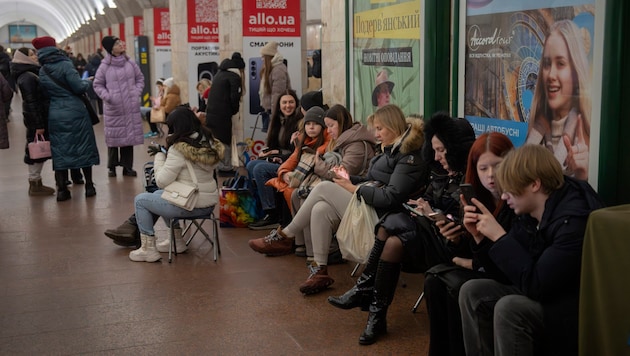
point(36, 188)
point(277, 243)
point(127, 234)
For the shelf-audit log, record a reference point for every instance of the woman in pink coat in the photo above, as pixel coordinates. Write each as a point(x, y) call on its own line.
point(119, 83)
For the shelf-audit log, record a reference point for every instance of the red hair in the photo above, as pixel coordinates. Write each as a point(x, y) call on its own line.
point(497, 144)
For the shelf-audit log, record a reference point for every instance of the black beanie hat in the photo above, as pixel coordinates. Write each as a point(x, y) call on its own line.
point(311, 99)
point(108, 43)
point(237, 60)
point(315, 114)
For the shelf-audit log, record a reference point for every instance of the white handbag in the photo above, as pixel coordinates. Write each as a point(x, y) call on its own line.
point(182, 195)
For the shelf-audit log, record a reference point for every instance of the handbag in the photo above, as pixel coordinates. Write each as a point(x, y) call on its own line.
point(40, 148)
point(158, 116)
point(356, 230)
point(182, 195)
point(83, 97)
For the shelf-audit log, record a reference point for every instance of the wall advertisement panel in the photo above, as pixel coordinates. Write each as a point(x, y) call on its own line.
point(529, 74)
point(203, 43)
point(162, 45)
point(263, 21)
point(386, 56)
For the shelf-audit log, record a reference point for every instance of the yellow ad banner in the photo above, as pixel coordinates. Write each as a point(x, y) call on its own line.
point(400, 21)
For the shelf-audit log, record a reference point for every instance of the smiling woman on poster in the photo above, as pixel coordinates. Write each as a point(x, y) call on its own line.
point(560, 114)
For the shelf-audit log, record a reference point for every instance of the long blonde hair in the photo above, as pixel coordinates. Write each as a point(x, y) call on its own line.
point(539, 110)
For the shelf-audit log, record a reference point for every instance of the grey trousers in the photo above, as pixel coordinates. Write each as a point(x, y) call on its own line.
point(498, 320)
point(320, 213)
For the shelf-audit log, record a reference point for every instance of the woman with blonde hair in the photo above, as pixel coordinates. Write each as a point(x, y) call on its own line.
point(274, 79)
point(560, 114)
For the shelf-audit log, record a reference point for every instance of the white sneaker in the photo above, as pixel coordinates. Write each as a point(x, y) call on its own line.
point(147, 252)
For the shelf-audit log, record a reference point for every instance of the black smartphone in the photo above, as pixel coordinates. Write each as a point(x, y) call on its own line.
point(265, 149)
point(439, 217)
point(468, 192)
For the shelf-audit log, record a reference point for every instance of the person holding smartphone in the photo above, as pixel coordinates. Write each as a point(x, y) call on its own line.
point(442, 282)
point(407, 241)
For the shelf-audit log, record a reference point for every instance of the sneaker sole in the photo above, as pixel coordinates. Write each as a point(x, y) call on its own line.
point(265, 227)
point(147, 258)
point(315, 290)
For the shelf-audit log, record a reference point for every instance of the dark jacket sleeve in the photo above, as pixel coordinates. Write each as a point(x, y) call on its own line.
point(235, 93)
point(408, 174)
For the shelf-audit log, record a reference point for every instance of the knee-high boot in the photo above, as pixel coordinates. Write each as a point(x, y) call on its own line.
point(361, 294)
point(62, 189)
point(385, 283)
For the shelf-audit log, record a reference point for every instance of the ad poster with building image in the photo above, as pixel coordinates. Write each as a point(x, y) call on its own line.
point(163, 63)
point(529, 73)
point(265, 21)
point(386, 56)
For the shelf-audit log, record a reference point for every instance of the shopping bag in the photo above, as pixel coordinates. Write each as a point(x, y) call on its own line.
point(40, 148)
point(237, 204)
point(158, 116)
point(356, 230)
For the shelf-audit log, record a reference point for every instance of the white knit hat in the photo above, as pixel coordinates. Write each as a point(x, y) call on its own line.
point(169, 82)
point(270, 49)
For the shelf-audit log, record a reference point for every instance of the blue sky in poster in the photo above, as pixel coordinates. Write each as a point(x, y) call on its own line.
point(482, 7)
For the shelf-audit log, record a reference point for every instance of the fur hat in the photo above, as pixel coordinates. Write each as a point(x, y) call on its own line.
point(315, 114)
point(45, 41)
point(169, 82)
point(381, 78)
point(270, 49)
point(237, 60)
point(108, 43)
point(311, 99)
point(456, 134)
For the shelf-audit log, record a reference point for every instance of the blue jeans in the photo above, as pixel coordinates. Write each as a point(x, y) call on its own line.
point(149, 205)
point(498, 320)
point(261, 171)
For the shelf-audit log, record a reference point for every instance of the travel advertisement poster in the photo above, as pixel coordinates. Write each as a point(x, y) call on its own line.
point(529, 73)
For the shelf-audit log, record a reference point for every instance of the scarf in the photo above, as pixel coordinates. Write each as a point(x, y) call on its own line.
point(21, 58)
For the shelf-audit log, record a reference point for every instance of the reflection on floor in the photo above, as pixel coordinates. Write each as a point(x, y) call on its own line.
point(66, 289)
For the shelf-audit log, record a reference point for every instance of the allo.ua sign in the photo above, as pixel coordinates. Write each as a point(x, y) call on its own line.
point(203, 43)
point(264, 21)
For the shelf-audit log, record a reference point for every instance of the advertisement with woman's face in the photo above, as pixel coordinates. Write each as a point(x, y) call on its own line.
point(529, 73)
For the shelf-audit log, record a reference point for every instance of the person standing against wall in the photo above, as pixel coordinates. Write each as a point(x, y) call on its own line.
point(119, 83)
point(224, 101)
point(274, 80)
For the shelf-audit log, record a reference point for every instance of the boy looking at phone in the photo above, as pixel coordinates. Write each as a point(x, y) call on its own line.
point(540, 255)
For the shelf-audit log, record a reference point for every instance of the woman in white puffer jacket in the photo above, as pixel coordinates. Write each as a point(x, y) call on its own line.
point(188, 141)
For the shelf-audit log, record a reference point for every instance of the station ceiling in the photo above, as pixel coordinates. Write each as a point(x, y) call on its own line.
point(65, 18)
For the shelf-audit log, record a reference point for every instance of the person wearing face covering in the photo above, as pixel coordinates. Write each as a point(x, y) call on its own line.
point(119, 82)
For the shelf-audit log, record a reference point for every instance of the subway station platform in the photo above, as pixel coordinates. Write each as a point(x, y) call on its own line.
point(66, 289)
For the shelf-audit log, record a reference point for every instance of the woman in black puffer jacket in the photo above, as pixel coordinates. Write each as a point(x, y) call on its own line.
point(25, 72)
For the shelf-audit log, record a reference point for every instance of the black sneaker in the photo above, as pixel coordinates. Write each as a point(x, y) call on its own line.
point(127, 172)
point(266, 223)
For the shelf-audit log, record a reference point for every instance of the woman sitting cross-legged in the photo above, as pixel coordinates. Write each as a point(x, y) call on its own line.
point(394, 174)
point(412, 242)
point(188, 141)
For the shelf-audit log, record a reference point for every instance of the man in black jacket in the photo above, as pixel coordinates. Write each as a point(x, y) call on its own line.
point(541, 256)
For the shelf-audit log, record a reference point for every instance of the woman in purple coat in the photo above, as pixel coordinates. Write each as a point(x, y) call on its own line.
point(119, 83)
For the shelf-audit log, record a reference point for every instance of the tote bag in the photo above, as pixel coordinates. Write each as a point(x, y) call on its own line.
point(158, 116)
point(40, 148)
point(356, 230)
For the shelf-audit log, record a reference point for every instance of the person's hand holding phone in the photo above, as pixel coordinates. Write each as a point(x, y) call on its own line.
point(421, 205)
point(341, 177)
point(480, 222)
point(451, 230)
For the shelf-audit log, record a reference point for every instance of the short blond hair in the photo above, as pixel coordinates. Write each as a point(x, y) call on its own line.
point(526, 164)
point(391, 117)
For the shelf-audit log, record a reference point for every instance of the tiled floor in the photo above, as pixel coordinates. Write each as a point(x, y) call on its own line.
point(66, 289)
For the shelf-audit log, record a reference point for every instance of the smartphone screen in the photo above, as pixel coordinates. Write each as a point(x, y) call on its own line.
point(413, 209)
point(468, 192)
point(439, 217)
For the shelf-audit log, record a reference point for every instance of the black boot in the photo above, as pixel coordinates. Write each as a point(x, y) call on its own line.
point(361, 294)
point(62, 189)
point(384, 287)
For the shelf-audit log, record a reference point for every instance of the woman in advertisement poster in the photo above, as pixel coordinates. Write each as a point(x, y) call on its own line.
point(560, 114)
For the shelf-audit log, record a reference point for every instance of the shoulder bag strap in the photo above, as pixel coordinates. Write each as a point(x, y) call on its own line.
point(192, 172)
point(58, 82)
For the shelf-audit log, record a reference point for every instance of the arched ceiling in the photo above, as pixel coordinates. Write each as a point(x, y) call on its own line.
point(63, 18)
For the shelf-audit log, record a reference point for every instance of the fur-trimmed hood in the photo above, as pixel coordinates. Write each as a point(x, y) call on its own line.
point(206, 155)
point(456, 134)
point(412, 139)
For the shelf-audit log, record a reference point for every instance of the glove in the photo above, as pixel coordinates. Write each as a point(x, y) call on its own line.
point(153, 150)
